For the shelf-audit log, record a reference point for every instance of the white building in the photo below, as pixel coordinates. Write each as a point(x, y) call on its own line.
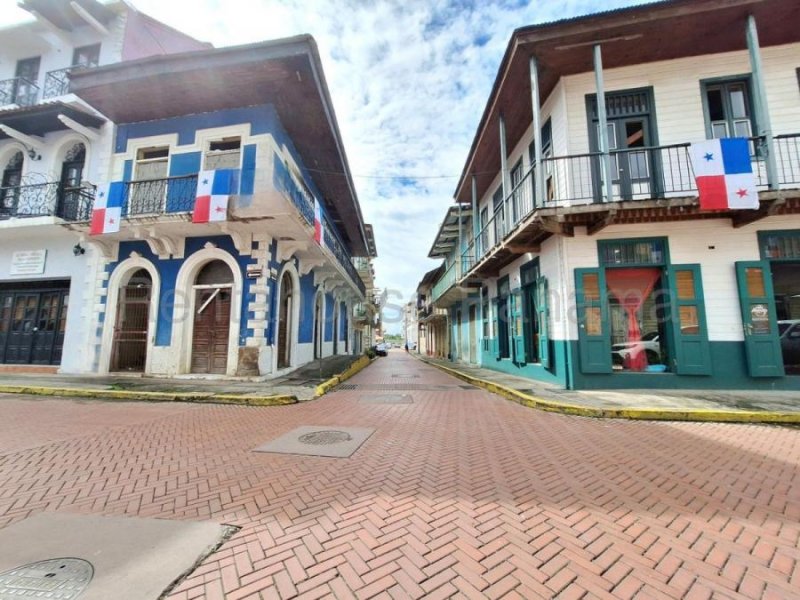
point(52, 148)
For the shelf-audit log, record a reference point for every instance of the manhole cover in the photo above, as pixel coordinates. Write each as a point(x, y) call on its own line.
point(325, 438)
point(406, 375)
point(59, 578)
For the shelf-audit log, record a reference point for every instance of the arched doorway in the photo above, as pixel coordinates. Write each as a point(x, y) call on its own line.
point(213, 290)
point(129, 346)
point(69, 193)
point(318, 326)
point(9, 186)
point(285, 324)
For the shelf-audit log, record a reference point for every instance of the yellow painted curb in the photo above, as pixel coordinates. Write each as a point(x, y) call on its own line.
point(277, 400)
point(326, 386)
point(643, 414)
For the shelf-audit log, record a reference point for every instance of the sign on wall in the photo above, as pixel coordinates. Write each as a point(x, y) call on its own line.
point(28, 262)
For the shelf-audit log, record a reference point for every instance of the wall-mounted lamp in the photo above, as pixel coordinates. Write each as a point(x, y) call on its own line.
point(78, 250)
point(33, 154)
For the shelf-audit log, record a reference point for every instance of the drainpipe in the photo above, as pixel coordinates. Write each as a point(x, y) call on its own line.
point(762, 109)
point(602, 136)
point(536, 159)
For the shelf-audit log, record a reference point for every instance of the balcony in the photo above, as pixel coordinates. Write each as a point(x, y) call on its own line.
point(18, 91)
point(159, 196)
point(46, 199)
point(653, 184)
point(303, 200)
point(56, 83)
point(447, 290)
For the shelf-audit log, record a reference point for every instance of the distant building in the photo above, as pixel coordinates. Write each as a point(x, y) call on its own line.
point(581, 256)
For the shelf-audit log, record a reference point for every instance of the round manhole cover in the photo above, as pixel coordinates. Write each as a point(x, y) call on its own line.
point(325, 438)
point(58, 578)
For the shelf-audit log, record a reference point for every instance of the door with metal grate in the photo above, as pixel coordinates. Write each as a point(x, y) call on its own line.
point(131, 329)
point(32, 326)
point(211, 331)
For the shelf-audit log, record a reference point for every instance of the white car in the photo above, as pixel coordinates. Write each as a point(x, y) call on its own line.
point(649, 344)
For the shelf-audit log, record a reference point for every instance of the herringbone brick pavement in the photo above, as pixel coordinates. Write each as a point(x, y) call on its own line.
point(460, 494)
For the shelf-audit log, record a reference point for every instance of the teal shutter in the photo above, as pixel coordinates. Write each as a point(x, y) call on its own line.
point(594, 339)
point(761, 339)
point(689, 328)
point(518, 329)
point(542, 317)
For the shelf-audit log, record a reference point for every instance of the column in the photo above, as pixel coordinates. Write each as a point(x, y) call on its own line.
point(761, 108)
point(538, 174)
point(602, 137)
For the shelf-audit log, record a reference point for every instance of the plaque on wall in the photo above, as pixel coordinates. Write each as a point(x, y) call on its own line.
point(28, 262)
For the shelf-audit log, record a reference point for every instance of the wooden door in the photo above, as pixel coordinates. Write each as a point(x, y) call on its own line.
point(761, 335)
point(211, 331)
point(129, 351)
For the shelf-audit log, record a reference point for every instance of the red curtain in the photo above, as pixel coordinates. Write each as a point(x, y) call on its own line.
point(631, 287)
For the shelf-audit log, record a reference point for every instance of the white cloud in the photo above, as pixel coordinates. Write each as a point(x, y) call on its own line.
point(409, 81)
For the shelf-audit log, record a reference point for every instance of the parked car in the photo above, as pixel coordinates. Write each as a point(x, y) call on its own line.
point(789, 332)
point(382, 349)
point(649, 344)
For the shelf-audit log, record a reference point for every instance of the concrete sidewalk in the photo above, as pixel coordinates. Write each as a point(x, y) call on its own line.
point(300, 384)
point(693, 405)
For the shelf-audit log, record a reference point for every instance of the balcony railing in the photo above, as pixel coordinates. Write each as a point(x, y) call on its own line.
point(303, 200)
point(46, 199)
point(449, 278)
point(19, 91)
point(638, 174)
point(159, 196)
point(56, 83)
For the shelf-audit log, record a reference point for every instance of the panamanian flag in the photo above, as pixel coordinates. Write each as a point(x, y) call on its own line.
point(724, 174)
point(107, 208)
point(214, 189)
point(319, 236)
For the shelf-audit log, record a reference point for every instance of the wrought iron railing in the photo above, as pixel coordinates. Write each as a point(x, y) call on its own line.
point(787, 148)
point(46, 199)
point(449, 278)
point(18, 90)
point(295, 190)
point(338, 249)
point(159, 196)
point(56, 83)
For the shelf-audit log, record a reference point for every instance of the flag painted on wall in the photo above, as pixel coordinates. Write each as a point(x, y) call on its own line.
point(724, 174)
point(214, 189)
point(107, 208)
point(319, 236)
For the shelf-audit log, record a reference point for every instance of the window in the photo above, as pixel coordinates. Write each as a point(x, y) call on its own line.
point(27, 77)
point(497, 207)
point(9, 186)
point(86, 56)
point(148, 191)
point(484, 235)
point(223, 154)
point(638, 313)
point(517, 208)
point(547, 153)
point(728, 107)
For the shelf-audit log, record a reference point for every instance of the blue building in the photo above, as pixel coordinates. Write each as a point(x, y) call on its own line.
point(255, 294)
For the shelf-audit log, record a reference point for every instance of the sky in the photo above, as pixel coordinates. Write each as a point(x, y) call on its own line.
point(409, 81)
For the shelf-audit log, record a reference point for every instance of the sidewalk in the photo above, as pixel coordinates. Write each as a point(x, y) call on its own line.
point(301, 383)
point(688, 405)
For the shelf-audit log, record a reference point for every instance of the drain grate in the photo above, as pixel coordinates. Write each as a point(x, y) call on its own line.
point(324, 438)
point(406, 375)
point(59, 578)
point(387, 399)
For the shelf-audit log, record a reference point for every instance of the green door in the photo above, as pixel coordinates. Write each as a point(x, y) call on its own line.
point(594, 339)
point(761, 340)
point(542, 315)
point(689, 329)
point(517, 328)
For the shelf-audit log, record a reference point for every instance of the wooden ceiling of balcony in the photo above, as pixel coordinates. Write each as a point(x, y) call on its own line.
point(41, 119)
point(61, 13)
point(637, 35)
point(284, 73)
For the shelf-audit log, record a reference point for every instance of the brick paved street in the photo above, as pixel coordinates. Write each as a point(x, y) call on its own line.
point(458, 494)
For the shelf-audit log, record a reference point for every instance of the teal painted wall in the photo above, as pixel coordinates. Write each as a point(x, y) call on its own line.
point(729, 373)
point(556, 374)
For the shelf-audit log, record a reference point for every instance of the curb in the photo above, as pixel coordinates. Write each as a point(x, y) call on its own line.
point(326, 386)
point(200, 398)
point(640, 414)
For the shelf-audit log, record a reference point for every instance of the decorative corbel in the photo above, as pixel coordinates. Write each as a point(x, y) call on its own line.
point(287, 248)
point(242, 240)
point(306, 264)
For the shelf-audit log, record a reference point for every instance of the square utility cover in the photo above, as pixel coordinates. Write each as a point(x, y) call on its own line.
point(77, 557)
point(319, 440)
